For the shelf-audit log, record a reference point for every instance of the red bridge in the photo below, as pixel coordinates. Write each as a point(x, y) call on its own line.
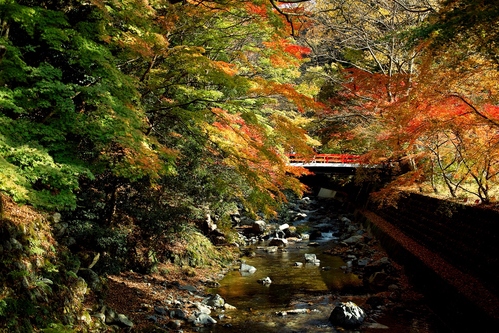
point(325, 158)
point(327, 163)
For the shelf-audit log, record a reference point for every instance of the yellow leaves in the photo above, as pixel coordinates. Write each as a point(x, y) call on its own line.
point(285, 90)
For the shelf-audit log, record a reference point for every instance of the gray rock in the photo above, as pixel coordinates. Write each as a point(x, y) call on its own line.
point(202, 308)
point(310, 257)
point(353, 239)
point(345, 220)
point(152, 318)
point(100, 316)
point(284, 227)
point(178, 313)
point(279, 242)
point(204, 319)
point(123, 320)
point(258, 227)
point(247, 268)
point(188, 288)
point(378, 279)
point(381, 262)
point(347, 315)
point(175, 324)
point(265, 281)
point(111, 316)
point(161, 310)
point(215, 301)
point(363, 262)
point(227, 306)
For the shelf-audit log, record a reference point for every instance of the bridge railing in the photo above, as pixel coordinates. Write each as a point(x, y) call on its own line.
point(325, 158)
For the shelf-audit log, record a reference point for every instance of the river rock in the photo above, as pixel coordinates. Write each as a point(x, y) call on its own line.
point(215, 301)
point(110, 315)
point(178, 313)
point(363, 262)
point(258, 227)
point(265, 281)
point(279, 242)
point(245, 268)
point(174, 324)
point(347, 315)
point(123, 320)
point(353, 239)
point(161, 310)
point(310, 257)
point(378, 279)
point(227, 306)
point(202, 308)
point(204, 319)
point(284, 226)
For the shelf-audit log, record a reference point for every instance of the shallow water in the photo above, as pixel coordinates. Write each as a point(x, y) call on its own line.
point(287, 280)
point(311, 287)
point(259, 307)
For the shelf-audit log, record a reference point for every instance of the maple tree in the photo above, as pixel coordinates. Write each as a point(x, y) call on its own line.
point(363, 45)
point(151, 112)
point(411, 83)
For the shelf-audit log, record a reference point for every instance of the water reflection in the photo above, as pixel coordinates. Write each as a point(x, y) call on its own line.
point(309, 287)
point(243, 291)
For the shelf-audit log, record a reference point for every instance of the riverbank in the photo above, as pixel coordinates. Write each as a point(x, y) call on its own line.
point(157, 302)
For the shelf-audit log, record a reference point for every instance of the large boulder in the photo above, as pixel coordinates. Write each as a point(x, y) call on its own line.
point(348, 315)
point(258, 227)
point(279, 242)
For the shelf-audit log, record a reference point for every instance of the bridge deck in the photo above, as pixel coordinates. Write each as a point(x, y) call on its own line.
point(325, 165)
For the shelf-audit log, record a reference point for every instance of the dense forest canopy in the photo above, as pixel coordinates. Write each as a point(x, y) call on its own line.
point(137, 119)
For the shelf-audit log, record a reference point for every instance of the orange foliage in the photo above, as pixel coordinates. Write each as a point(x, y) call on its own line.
point(286, 53)
point(259, 10)
point(226, 67)
point(287, 91)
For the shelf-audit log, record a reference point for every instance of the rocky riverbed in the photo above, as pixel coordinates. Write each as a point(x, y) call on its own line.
point(313, 270)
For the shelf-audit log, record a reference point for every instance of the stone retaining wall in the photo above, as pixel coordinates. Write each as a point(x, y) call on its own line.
point(450, 248)
point(465, 236)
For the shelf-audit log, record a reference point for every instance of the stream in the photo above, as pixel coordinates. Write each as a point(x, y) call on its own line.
point(301, 298)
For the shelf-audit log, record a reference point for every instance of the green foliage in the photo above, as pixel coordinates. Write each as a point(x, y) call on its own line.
point(198, 251)
point(3, 308)
point(58, 328)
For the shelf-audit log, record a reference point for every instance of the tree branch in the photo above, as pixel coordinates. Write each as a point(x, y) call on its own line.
point(414, 9)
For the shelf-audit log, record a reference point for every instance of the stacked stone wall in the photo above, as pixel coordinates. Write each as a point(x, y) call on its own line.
point(465, 236)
